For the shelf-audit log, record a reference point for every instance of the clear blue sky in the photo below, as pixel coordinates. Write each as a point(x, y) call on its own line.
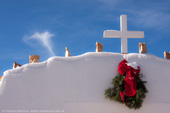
point(46, 27)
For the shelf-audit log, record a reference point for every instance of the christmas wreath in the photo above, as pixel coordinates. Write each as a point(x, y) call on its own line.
point(128, 86)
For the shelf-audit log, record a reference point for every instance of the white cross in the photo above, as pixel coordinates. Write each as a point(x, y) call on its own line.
point(123, 33)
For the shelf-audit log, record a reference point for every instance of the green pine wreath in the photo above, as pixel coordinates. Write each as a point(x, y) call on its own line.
point(134, 102)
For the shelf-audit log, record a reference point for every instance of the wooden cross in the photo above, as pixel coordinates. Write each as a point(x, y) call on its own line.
point(123, 34)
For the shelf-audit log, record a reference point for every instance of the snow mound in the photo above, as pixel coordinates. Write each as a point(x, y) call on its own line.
point(77, 84)
point(134, 65)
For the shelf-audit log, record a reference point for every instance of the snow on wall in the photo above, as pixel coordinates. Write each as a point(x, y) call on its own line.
point(77, 84)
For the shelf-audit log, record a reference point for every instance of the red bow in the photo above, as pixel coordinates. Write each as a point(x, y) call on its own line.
point(130, 79)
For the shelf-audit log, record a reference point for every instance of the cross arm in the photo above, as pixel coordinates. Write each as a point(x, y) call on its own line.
point(111, 34)
point(135, 34)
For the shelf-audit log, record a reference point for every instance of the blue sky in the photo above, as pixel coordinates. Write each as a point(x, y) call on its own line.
point(46, 27)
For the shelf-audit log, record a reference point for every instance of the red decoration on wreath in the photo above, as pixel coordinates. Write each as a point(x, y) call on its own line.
point(128, 87)
point(130, 79)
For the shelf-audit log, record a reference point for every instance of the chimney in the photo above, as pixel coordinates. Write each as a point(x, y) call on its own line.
point(67, 53)
point(166, 55)
point(142, 48)
point(99, 47)
point(34, 58)
point(15, 65)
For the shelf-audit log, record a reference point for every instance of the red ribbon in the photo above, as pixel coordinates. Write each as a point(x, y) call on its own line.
point(122, 95)
point(130, 79)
